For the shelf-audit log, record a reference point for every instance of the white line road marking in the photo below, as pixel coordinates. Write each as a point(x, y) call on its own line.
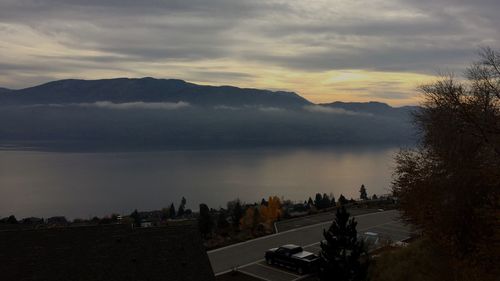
point(302, 277)
point(255, 276)
point(277, 270)
point(238, 267)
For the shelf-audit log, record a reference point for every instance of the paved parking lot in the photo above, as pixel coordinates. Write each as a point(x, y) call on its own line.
point(266, 272)
point(385, 224)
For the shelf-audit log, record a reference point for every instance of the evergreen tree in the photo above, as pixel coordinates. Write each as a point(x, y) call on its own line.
point(342, 253)
point(263, 202)
point(135, 216)
point(310, 202)
point(256, 219)
point(332, 201)
point(317, 201)
point(205, 222)
point(342, 200)
point(182, 206)
point(237, 214)
point(171, 212)
point(325, 201)
point(362, 193)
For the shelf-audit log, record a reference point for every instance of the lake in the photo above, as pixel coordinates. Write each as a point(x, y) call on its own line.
point(43, 184)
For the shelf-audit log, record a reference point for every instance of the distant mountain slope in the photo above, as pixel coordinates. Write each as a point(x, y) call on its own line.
point(375, 108)
point(122, 90)
point(4, 90)
point(148, 113)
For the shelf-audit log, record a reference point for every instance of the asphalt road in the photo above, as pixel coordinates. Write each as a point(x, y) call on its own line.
point(288, 224)
point(247, 256)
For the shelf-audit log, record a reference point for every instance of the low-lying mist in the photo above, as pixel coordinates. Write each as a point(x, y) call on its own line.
point(142, 124)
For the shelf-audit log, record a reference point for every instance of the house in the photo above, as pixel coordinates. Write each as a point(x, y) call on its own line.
point(105, 253)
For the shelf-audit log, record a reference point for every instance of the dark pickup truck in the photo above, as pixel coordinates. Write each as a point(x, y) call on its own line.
point(294, 257)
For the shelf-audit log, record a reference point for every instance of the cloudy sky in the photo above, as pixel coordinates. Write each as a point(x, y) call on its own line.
point(326, 50)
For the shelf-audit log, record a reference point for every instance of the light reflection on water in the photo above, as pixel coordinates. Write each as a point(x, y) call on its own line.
point(86, 184)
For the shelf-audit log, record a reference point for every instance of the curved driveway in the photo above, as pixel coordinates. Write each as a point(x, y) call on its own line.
point(250, 252)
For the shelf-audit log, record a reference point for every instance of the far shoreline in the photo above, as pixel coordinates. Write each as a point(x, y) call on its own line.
point(116, 147)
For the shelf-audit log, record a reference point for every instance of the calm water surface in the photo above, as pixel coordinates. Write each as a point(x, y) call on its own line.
point(87, 184)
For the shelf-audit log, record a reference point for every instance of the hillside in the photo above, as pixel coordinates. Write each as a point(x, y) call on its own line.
point(147, 112)
point(121, 90)
point(4, 90)
point(374, 108)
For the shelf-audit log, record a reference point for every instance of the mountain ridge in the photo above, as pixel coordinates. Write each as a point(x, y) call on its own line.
point(147, 89)
point(4, 90)
point(373, 107)
point(149, 113)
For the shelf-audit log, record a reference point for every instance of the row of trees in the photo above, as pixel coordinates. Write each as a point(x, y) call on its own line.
point(255, 218)
point(235, 209)
point(172, 213)
point(324, 201)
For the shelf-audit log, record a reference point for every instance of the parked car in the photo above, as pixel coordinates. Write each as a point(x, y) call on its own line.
point(293, 257)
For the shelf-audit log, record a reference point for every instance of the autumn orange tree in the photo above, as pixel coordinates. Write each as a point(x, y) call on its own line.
point(271, 212)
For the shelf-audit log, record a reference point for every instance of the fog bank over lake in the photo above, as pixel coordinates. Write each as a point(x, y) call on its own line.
point(44, 184)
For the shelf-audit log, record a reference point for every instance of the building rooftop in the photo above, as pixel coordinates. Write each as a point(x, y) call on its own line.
point(105, 252)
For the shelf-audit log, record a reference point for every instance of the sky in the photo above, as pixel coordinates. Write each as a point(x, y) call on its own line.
point(325, 50)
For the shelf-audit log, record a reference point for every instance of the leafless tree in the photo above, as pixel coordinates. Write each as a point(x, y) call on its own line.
point(449, 185)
